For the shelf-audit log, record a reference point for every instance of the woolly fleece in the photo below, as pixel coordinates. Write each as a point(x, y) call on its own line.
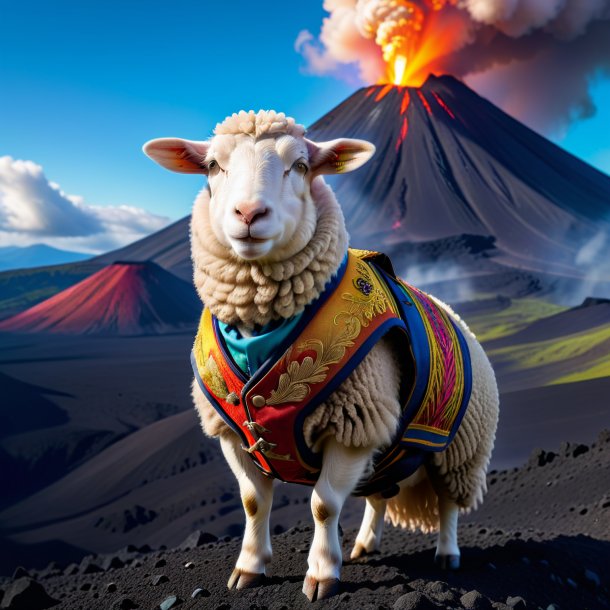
point(259, 124)
point(244, 292)
point(364, 411)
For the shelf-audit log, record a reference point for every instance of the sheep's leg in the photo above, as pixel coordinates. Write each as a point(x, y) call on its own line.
point(447, 550)
point(371, 529)
point(256, 492)
point(342, 468)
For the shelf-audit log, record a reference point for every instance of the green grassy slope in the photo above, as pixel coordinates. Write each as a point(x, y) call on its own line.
point(24, 288)
point(569, 357)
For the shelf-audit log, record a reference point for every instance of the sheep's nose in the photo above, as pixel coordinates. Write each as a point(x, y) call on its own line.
point(249, 211)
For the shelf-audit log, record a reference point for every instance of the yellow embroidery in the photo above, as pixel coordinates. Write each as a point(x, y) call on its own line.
point(370, 300)
point(213, 379)
point(362, 305)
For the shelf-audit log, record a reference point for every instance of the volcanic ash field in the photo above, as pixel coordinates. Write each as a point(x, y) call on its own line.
point(540, 540)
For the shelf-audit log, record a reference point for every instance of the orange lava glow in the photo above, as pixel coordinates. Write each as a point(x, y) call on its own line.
point(383, 92)
point(417, 49)
point(403, 133)
point(400, 67)
point(406, 98)
point(424, 101)
point(442, 104)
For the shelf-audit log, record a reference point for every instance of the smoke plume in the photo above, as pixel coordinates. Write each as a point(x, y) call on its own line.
point(534, 58)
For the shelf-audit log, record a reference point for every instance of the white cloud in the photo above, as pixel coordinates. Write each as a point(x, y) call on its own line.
point(35, 210)
point(535, 59)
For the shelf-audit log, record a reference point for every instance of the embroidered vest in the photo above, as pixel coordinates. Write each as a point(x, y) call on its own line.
point(361, 304)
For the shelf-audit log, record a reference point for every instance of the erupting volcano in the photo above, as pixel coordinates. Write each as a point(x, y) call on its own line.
point(451, 171)
point(450, 163)
point(121, 299)
point(411, 36)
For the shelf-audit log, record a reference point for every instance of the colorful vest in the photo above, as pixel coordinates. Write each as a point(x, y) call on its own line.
point(361, 304)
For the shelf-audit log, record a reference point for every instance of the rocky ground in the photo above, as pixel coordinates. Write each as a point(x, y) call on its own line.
point(541, 540)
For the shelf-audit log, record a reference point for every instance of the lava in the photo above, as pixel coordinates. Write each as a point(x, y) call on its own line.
point(425, 102)
point(406, 98)
point(403, 133)
point(412, 37)
point(442, 104)
point(383, 92)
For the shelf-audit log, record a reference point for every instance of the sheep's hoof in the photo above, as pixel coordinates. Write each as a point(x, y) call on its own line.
point(359, 551)
point(447, 562)
point(320, 589)
point(244, 580)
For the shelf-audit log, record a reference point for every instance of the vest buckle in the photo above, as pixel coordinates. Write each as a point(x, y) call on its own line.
point(255, 427)
point(263, 446)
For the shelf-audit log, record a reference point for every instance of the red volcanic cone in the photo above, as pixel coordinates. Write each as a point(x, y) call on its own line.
point(121, 299)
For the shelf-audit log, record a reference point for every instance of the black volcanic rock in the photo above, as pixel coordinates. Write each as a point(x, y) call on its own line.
point(89, 566)
point(593, 301)
point(27, 594)
point(523, 546)
point(198, 538)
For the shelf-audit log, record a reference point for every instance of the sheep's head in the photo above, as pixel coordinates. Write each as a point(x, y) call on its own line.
point(260, 169)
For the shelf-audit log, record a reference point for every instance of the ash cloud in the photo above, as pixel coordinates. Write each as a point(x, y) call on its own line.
point(535, 59)
point(35, 210)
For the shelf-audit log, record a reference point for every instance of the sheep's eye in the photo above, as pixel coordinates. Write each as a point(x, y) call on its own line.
point(301, 167)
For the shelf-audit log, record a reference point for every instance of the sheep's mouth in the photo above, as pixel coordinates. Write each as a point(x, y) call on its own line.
point(252, 240)
point(251, 248)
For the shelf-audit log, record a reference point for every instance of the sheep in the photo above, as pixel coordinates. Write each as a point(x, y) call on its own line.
point(267, 238)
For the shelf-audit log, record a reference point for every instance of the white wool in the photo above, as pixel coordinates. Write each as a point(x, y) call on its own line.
point(245, 292)
point(261, 123)
point(363, 413)
point(364, 410)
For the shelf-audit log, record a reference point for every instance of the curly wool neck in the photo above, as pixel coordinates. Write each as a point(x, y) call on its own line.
point(247, 292)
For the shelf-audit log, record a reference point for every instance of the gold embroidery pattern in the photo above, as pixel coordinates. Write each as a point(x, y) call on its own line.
point(362, 306)
point(213, 378)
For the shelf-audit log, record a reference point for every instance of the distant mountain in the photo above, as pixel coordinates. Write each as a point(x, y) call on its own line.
point(37, 255)
point(23, 288)
point(168, 247)
point(122, 299)
point(457, 188)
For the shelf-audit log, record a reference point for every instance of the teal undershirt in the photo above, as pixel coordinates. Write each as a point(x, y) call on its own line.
point(250, 353)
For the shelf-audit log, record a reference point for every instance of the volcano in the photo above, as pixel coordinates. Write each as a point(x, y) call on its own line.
point(454, 180)
point(124, 298)
point(448, 164)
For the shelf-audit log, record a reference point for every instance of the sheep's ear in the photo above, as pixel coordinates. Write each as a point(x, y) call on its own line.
point(178, 155)
point(338, 156)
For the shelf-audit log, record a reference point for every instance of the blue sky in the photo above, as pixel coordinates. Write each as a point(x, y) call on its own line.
point(84, 85)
